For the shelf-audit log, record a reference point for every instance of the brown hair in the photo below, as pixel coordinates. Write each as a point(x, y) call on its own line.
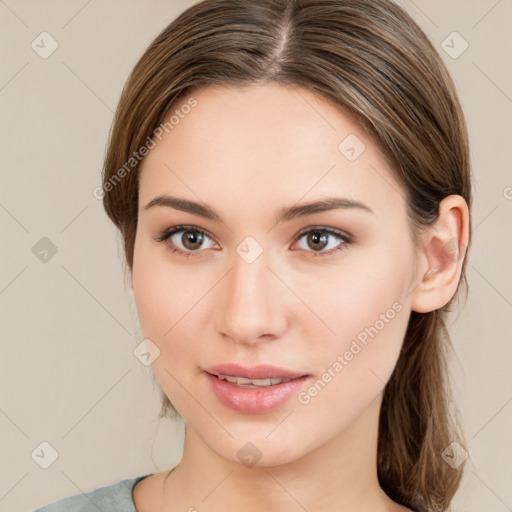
point(370, 57)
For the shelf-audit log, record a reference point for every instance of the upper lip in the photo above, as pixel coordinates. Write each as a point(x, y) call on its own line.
point(262, 371)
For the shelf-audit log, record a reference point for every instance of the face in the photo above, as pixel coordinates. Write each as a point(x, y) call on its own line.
point(320, 292)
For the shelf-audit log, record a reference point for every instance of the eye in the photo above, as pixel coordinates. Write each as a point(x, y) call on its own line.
point(318, 239)
point(189, 242)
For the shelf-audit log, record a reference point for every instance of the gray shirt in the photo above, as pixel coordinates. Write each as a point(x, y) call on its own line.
point(112, 498)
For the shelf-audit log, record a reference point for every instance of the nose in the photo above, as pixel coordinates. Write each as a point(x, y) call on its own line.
point(251, 305)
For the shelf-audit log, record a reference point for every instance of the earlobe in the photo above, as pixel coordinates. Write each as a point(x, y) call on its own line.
point(443, 250)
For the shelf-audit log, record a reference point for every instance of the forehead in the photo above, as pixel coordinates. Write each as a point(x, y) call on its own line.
point(267, 143)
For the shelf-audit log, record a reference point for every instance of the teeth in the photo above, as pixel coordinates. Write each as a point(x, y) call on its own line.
point(242, 381)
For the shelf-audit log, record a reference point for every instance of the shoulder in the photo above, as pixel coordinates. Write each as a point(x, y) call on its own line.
point(111, 498)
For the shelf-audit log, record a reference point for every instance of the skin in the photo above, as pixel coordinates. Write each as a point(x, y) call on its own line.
point(248, 153)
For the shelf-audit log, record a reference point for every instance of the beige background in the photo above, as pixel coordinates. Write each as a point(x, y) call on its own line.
point(67, 369)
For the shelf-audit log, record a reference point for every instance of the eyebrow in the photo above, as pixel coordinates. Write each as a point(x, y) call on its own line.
point(284, 215)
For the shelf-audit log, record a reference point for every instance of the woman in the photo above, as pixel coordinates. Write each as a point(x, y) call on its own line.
point(292, 183)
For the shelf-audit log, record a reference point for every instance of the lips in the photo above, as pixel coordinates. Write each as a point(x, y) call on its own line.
point(263, 371)
point(254, 389)
point(255, 399)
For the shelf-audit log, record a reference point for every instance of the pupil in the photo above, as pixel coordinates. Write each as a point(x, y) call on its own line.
point(318, 237)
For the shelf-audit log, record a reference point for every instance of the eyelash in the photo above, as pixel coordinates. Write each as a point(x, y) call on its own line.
point(167, 233)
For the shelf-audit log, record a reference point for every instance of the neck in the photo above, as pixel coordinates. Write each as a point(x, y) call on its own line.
point(339, 475)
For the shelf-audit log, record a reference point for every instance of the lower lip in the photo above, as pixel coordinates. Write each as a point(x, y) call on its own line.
point(252, 400)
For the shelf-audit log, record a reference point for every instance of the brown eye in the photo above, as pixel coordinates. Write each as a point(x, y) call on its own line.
point(192, 240)
point(185, 240)
point(319, 239)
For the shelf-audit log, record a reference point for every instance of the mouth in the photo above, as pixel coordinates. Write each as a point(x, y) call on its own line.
point(259, 374)
point(252, 383)
point(254, 390)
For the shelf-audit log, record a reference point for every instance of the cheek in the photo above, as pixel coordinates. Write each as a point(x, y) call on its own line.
point(353, 366)
point(153, 297)
point(364, 314)
point(168, 299)
point(162, 291)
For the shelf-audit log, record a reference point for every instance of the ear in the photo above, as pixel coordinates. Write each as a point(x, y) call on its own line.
point(442, 252)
